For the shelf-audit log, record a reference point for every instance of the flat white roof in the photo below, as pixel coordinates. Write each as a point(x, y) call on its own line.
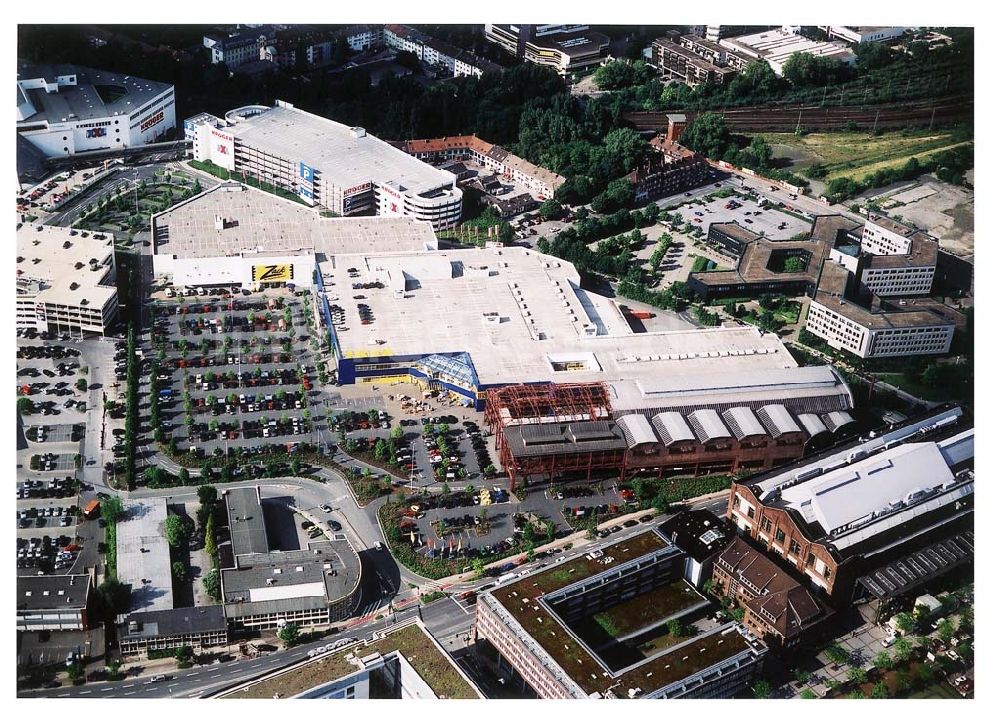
point(776, 46)
point(849, 494)
point(280, 593)
point(51, 254)
point(261, 223)
point(144, 556)
point(522, 317)
point(344, 156)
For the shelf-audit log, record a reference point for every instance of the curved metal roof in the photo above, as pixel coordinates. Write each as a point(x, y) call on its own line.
point(812, 424)
point(777, 420)
point(742, 422)
point(671, 427)
point(836, 420)
point(637, 430)
point(707, 425)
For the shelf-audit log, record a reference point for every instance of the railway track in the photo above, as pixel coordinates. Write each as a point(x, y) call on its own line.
point(817, 118)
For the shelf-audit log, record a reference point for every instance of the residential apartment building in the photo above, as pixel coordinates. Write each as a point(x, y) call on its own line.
point(63, 110)
point(777, 608)
point(65, 281)
point(199, 627)
point(337, 167)
point(672, 170)
point(841, 514)
point(240, 46)
point(437, 53)
point(541, 182)
point(565, 48)
point(53, 603)
point(676, 60)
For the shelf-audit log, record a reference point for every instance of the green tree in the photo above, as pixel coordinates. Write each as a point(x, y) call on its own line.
point(211, 583)
point(807, 694)
point(75, 672)
point(946, 630)
point(479, 567)
point(397, 433)
point(883, 661)
point(210, 547)
point(445, 490)
point(112, 510)
point(290, 635)
point(550, 209)
point(880, 690)
point(81, 384)
point(176, 530)
point(903, 649)
point(184, 476)
point(707, 134)
point(179, 570)
point(905, 622)
point(114, 597)
point(761, 689)
point(837, 654)
point(857, 675)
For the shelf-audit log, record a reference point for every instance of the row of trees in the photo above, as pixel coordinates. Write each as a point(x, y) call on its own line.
point(949, 166)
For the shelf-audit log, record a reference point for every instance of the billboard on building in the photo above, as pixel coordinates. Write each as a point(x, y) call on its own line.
point(273, 272)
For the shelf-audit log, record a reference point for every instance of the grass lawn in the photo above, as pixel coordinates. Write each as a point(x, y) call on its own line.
point(898, 379)
point(854, 155)
point(647, 608)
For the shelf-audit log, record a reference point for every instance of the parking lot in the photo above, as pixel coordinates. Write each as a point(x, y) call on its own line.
point(234, 370)
point(773, 223)
point(460, 524)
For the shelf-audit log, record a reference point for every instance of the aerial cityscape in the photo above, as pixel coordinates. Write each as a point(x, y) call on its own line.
point(497, 361)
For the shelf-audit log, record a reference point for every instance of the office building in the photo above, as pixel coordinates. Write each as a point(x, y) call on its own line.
point(565, 48)
point(862, 33)
point(54, 603)
point(702, 536)
point(692, 60)
point(402, 662)
point(844, 513)
point(265, 589)
point(64, 110)
point(856, 305)
point(542, 627)
point(199, 627)
point(65, 281)
point(325, 163)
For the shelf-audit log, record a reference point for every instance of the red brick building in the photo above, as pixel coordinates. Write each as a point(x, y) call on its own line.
point(839, 514)
point(778, 609)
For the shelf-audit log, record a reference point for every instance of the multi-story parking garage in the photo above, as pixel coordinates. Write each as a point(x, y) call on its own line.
point(325, 163)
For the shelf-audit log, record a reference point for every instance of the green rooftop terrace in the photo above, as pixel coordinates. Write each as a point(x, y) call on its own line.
point(520, 599)
point(411, 642)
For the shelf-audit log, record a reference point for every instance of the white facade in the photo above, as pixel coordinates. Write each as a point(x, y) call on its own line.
point(59, 289)
point(877, 239)
point(64, 115)
point(841, 332)
point(237, 49)
point(326, 163)
point(245, 270)
point(862, 34)
point(899, 281)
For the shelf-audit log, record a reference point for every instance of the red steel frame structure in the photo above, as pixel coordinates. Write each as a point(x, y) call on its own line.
point(546, 403)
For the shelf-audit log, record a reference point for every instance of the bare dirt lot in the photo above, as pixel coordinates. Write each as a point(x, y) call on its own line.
point(946, 211)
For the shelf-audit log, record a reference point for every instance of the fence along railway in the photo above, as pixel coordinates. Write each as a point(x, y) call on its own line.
point(927, 113)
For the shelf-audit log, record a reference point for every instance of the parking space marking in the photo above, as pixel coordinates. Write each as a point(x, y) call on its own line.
point(128, 686)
